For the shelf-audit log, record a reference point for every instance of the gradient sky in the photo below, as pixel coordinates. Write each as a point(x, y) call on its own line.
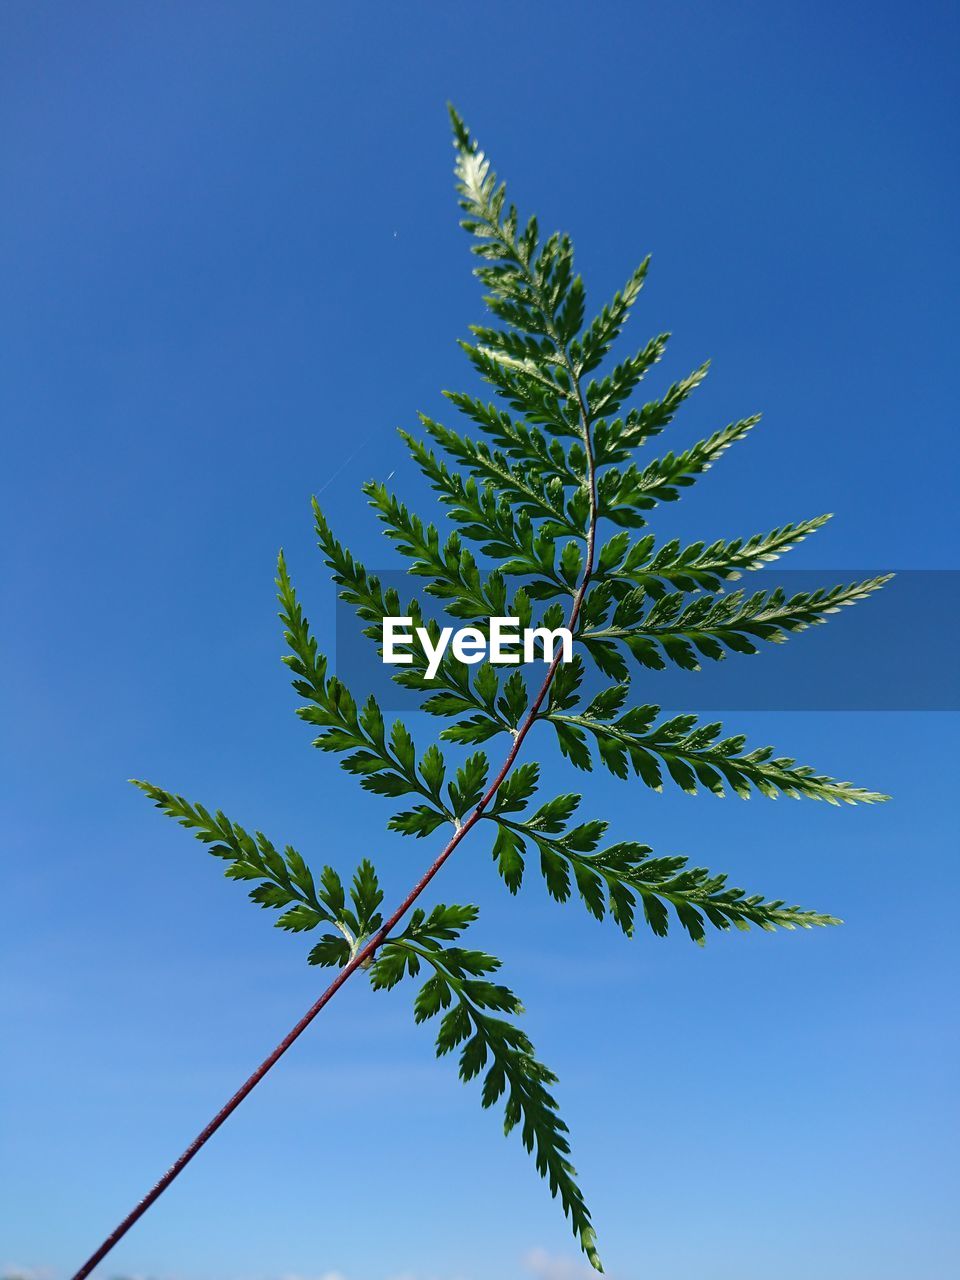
point(231, 269)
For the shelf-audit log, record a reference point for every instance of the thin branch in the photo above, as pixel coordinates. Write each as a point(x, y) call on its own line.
point(366, 953)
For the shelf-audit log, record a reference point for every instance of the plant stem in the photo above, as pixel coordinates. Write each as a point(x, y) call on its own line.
point(369, 949)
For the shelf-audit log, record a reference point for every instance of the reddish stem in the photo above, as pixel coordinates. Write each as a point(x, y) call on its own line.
point(368, 950)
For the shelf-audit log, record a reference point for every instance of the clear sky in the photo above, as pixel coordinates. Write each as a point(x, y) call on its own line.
point(231, 268)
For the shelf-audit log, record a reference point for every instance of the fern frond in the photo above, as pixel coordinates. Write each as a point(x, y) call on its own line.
point(624, 496)
point(551, 492)
point(699, 565)
point(460, 987)
point(519, 439)
point(452, 686)
point(692, 753)
point(284, 882)
point(386, 764)
point(623, 873)
point(590, 349)
point(541, 392)
point(521, 485)
point(615, 441)
point(606, 397)
point(488, 519)
point(712, 625)
point(453, 573)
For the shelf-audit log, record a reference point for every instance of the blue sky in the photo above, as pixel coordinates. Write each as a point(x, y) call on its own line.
point(231, 269)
